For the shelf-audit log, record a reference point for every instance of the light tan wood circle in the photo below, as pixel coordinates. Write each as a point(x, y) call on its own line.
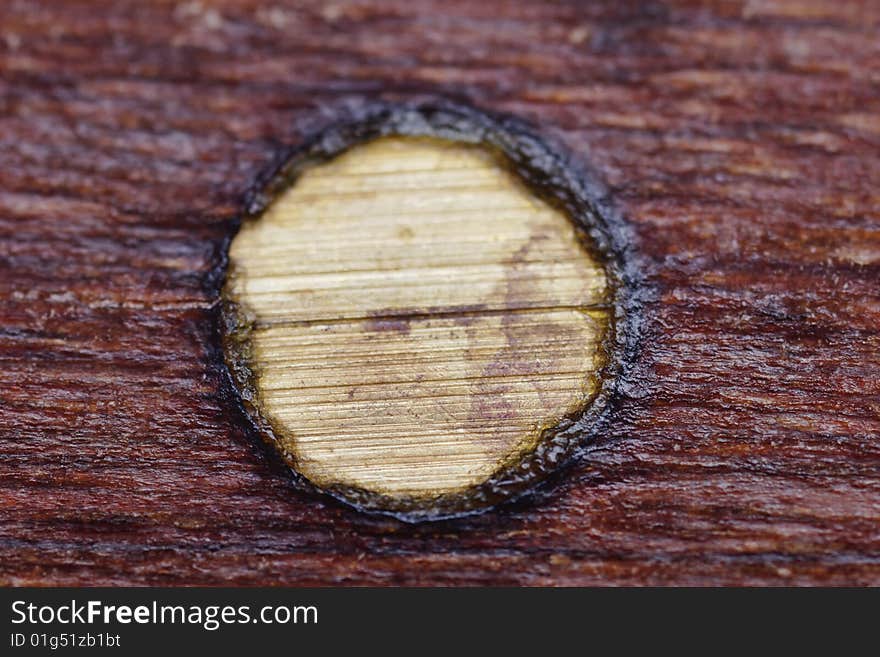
point(420, 317)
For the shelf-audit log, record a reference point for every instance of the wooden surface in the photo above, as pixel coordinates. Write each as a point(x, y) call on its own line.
point(741, 141)
point(417, 318)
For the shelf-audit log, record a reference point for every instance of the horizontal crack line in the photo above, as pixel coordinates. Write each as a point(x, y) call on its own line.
point(426, 315)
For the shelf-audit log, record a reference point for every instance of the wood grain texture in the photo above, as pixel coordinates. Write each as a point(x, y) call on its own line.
point(741, 140)
point(416, 318)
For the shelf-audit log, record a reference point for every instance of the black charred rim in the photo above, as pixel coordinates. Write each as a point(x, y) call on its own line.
point(548, 173)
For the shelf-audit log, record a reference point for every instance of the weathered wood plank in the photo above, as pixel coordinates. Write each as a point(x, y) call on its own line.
point(739, 139)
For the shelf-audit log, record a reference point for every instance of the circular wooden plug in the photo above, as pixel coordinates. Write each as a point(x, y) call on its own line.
point(410, 323)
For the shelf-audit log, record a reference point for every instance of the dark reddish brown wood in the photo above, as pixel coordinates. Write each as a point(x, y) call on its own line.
point(740, 139)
